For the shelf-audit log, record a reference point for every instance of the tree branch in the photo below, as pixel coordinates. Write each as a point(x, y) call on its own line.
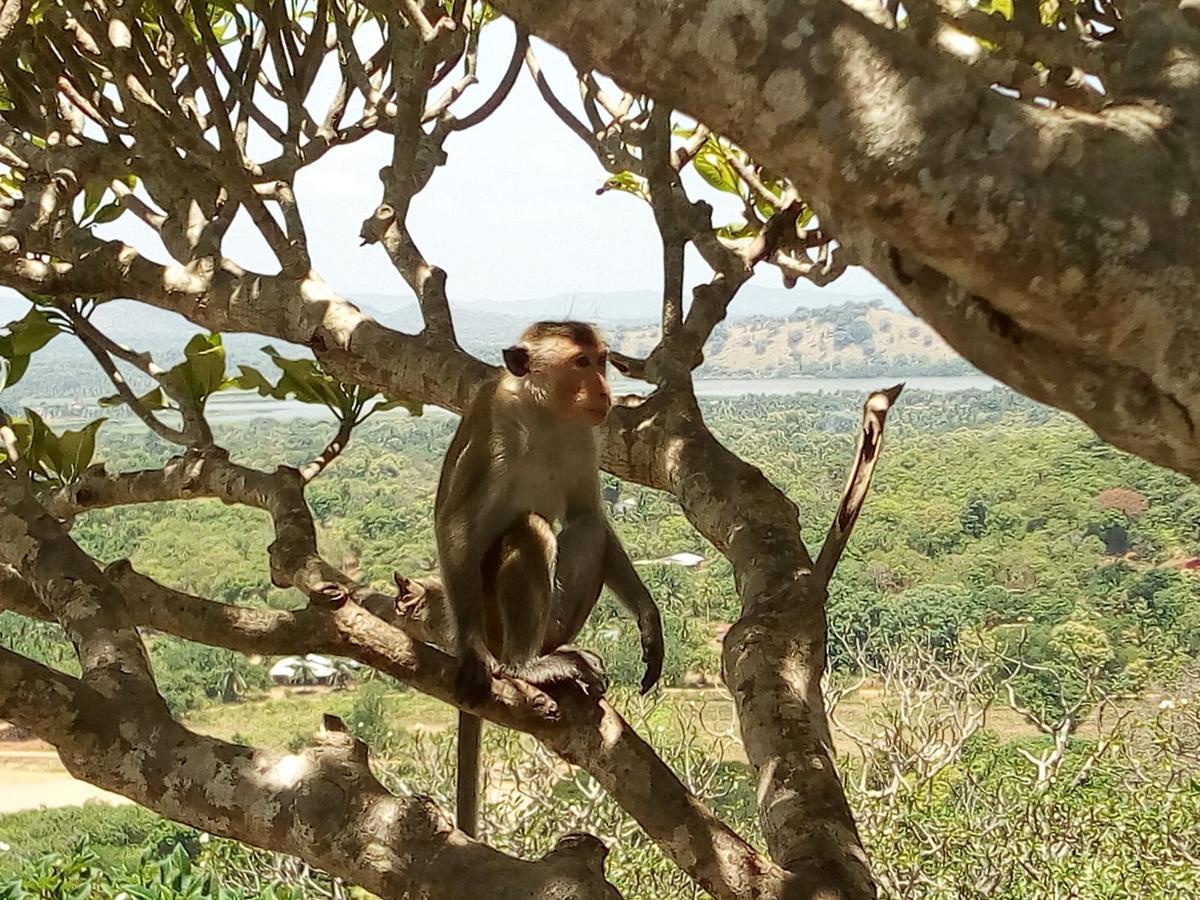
point(323, 803)
point(870, 445)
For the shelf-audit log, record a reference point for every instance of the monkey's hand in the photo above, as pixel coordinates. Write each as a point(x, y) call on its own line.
point(650, 626)
point(473, 680)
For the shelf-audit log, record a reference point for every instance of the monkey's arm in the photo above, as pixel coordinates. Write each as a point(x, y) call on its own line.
point(462, 579)
point(466, 524)
point(623, 580)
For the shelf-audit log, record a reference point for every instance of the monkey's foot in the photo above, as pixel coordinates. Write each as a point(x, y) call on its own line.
point(567, 664)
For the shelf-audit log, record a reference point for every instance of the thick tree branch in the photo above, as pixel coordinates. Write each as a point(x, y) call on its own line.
point(774, 656)
point(68, 584)
point(323, 803)
point(1079, 229)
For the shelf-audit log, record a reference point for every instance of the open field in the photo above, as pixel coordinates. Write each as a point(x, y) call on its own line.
point(31, 775)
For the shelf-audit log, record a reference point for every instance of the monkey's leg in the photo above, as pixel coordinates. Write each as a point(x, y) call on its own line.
point(526, 598)
point(523, 589)
point(579, 576)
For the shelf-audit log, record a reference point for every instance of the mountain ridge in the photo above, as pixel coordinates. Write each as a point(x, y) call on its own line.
point(855, 338)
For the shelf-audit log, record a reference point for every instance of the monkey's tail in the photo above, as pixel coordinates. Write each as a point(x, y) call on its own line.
point(470, 734)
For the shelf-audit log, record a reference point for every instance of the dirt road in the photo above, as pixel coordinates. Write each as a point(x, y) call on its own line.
point(32, 777)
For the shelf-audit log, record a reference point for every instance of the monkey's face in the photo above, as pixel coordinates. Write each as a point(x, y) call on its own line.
point(564, 371)
point(581, 391)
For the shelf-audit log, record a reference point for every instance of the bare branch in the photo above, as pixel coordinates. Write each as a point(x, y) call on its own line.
point(83, 602)
point(568, 118)
point(130, 399)
point(665, 196)
point(489, 106)
point(870, 443)
point(195, 431)
point(331, 452)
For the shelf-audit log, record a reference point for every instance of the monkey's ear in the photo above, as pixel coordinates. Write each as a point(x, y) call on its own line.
point(516, 360)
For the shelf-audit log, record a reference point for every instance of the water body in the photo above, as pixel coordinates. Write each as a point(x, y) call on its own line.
point(234, 407)
point(740, 387)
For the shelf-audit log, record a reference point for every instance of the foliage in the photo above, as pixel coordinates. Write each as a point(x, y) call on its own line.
point(181, 867)
point(55, 457)
point(190, 675)
point(306, 381)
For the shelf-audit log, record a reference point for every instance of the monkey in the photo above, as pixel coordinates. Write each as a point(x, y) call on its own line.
point(524, 546)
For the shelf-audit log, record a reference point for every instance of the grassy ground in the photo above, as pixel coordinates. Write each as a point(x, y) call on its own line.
point(287, 721)
point(286, 718)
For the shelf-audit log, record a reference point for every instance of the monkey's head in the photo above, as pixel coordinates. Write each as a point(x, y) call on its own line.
point(563, 364)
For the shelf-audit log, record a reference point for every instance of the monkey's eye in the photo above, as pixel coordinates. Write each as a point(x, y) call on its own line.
point(582, 362)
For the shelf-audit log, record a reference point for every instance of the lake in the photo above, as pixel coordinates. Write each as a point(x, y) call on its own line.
point(232, 407)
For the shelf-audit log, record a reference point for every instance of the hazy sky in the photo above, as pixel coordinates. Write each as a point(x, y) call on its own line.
point(512, 215)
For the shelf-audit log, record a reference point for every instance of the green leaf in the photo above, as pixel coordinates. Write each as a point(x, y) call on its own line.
point(12, 368)
point(109, 213)
point(715, 169)
point(92, 195)
point(152, 399)
point(253, 380)
point(737, 230)
point(76, 449)
point(202, 371)
point(1003, 7)
point(414, 407)
point(765, 208)
point(30, 333)
point(626, 182)
point(42, 447)
point(304, 380)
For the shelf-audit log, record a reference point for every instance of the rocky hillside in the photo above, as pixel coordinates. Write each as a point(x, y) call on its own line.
point(849, 340)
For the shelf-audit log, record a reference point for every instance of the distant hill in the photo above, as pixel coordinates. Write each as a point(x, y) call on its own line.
point(644, 307)
point(853, 338)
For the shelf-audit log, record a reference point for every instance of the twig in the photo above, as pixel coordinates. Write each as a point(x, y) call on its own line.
point(870, 443)
point(331, 452)
point(195, 431)
point(502, 91)
point(126, 393)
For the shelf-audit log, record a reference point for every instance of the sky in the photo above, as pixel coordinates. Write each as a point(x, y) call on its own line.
point(512, 215)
